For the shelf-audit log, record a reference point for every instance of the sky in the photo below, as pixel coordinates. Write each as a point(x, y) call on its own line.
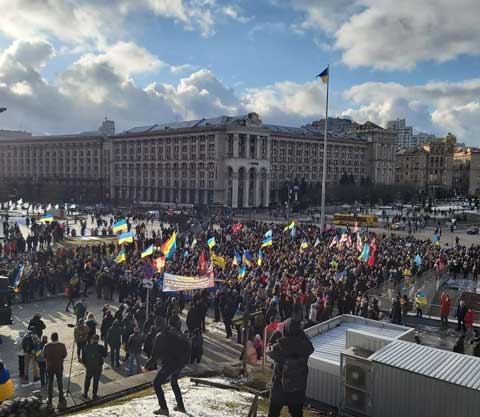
point(65, 65)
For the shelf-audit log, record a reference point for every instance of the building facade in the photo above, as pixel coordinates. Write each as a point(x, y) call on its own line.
point(228, 161)
point(428, 166)
point(466, 171)
point(412, 167)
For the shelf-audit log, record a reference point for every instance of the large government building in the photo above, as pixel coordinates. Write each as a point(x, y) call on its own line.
point(228, 161)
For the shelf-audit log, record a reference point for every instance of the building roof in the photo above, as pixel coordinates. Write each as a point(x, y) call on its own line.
point(332, 342)
point(434, 363)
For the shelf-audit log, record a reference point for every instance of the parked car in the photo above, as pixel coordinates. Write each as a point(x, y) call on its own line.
point(473, 231)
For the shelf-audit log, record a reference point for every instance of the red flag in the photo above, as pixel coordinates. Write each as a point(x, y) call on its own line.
point(202, 262)
point(236, 227)
point(159, 263)
point(371, 258)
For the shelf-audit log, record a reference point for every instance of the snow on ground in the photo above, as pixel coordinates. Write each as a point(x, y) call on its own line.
point(200, 401)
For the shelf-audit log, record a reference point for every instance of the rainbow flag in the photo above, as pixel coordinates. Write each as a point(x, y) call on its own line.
point(147, 252)
point(120, 226)
point(169, 247)
point(121, 257)
point(48, 218)
point(125, 238)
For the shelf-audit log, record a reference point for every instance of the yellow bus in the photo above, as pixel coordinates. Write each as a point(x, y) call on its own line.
point(362, 220)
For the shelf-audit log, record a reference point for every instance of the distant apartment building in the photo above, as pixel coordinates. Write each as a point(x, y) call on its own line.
point(422, 138)
point(466, 171)
point(403, 133)
point(411, 167)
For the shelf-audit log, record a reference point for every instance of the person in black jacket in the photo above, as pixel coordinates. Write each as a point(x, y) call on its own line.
point(114, 340)
point(194, 318)
point(93, 356)
point(173, 349)
point(289, 349)
point(37, 323)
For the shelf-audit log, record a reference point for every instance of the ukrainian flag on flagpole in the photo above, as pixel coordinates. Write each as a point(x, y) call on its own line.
point(211, 242)
point(291, 226)
point(260, 257)
point(242, 272)
point(169, 247)
point(125, 238)
point(121, 257)
point(237, 259)
point(147, 252)
point(48, 218)
point(18, 278)
point(120, 226)
point(268, 234)
point(323, 75)
point(267, 242)
point(247, 258)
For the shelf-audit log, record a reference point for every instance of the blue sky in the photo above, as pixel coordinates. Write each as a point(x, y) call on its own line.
point(66, 64)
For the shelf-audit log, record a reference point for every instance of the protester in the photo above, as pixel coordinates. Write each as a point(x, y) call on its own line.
point(290, 349)
point(55, 353)
point(7, 387)
point(445, 308)
point(93, 356)
point(42, 364)
point(114, 340)
point(196, 342)
point(134, 345)
point(81, 334)
point(37, 324)
point(172, 349)
point(461, 312)
point(20, 354)
point(29, 345)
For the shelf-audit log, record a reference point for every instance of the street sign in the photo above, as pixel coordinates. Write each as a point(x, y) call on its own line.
point(147, 283)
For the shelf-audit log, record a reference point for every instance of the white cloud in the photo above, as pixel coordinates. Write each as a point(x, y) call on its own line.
point(287, 102)
point(125, 58)
point(392, 34)
point(436, 106)
point(234, 12)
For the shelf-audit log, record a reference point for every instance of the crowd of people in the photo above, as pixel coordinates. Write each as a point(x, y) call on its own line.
point(305, 275)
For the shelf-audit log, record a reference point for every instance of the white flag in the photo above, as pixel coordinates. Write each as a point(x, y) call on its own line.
point(20, 202)
point(56, 206)
point(49, 207)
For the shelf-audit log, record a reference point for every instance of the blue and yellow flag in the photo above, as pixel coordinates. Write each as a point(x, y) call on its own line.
point(303, 246)
point(290, 226)
point(268, 234)
point(247, 258)
point(147, 252)
point(18, 278)
point(237, 259)
point(267, 242)
point(48, 218)
point(260, 257)
point(323, 75)
point(121, 257)
point(120, 226)
point(242, 272)
point(125, 238)
point(211, 242)
point(218, 260)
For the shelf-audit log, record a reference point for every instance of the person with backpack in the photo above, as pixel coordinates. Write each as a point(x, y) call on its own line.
point(93, 359)
point(80, 309)
point(29, 345)
point(290, 349)
point(173, 349)
point(81, 334)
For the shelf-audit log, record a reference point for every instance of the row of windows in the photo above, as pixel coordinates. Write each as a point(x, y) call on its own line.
point(167, 182)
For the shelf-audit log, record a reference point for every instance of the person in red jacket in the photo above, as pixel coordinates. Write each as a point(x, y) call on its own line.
point(469, 318)
point(446, 304)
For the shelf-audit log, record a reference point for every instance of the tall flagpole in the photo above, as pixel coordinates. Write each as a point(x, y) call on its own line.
point(324, 176)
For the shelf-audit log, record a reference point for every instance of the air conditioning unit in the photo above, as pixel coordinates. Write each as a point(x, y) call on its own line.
point(355, 382)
